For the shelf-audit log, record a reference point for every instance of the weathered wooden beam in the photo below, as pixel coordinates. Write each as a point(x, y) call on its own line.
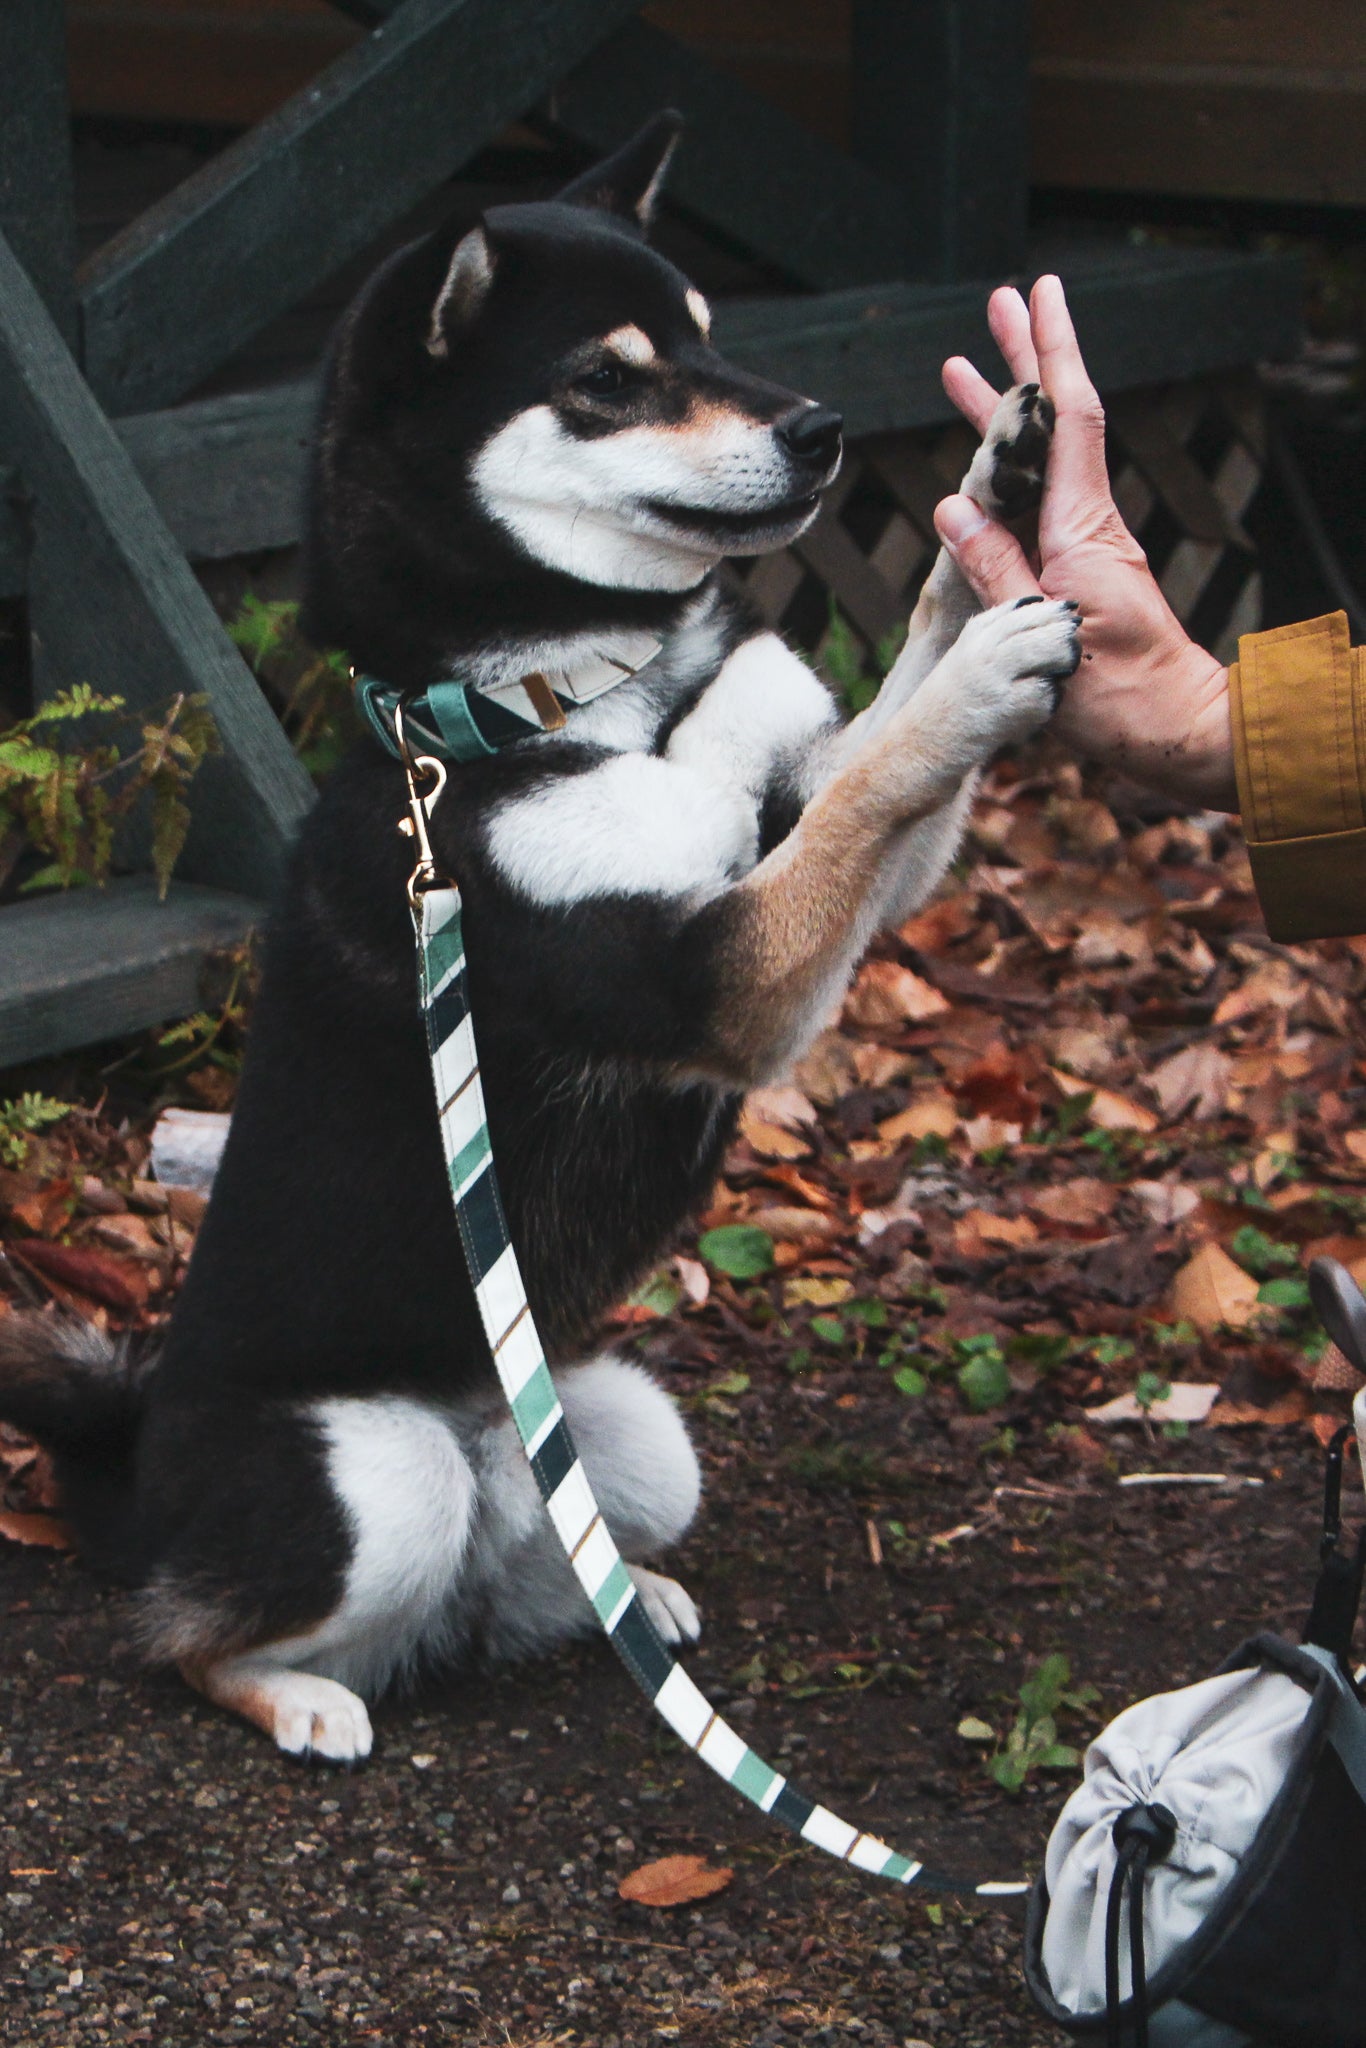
point(113, 602)
point(36, 206)
point(227, 474)
point(168, 301)
point(96, 963)
point(940, 107)
point(746, 167)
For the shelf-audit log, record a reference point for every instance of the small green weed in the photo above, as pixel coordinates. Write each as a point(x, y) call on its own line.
point(1032, 1744)
point(312, 690)
point(21, 1117)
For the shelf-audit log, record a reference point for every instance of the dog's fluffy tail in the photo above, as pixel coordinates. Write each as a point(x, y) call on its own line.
point(79, 1393)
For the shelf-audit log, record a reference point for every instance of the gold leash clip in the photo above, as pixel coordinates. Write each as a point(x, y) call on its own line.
point(421, 803)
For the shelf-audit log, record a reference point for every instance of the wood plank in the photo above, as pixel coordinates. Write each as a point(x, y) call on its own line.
point(812, 212)
point(37, 210)
point(940, 107)
point(1234, 32)
point(877, 355)
point(284, 206)
point(112, 600)
point(226, 67)
point(1292, 135)
point(96, 963)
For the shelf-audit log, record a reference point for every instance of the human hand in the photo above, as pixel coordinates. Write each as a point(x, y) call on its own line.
point(1146, 700)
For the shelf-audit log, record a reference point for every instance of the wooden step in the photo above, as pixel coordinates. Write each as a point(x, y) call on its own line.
point(95, 963)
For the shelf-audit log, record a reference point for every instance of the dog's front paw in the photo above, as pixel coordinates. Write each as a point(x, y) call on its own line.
point(1018, 657)
point(672, 1611)
point(1006, 477)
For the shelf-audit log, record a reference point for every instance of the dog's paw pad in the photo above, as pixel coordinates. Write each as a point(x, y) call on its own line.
point(1007, 474)
point(316, 1717)
point(669, 1607)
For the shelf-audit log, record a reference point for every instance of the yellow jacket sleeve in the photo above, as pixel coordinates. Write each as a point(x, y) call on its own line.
point(1297, 699)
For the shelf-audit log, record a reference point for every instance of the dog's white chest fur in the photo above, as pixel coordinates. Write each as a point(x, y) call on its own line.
point(682, 824)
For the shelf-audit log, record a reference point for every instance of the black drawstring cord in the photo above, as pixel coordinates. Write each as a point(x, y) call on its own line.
point(1143, 1835)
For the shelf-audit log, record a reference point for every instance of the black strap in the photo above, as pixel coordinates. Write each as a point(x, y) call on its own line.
point(1337, 1593)
point(1143, 1835)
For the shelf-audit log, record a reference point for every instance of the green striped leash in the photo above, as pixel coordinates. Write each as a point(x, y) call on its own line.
point(525, 1377)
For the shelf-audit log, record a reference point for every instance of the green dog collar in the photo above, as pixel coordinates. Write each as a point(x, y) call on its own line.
point(444, 721)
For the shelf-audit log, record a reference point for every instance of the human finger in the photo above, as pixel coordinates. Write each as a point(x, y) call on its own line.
point(987, 553)
point(1077, 473)
point(1008, 319)
point(970, 392)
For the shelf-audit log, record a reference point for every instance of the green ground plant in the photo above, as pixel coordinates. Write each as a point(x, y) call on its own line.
point(79, 766)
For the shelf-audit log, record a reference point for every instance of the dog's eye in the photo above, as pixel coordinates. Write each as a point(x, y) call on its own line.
point(603, 382)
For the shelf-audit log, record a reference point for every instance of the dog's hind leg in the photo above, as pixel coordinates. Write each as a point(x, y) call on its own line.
point(303, 1714)
point(644, 1474)
point(340, 1575)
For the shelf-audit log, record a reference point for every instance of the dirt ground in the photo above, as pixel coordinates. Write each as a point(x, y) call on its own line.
point(1079, 1132)
point(172, 1879)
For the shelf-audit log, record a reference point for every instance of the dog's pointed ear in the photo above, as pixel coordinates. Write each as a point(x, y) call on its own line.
point(628, 183)
point(466, 285)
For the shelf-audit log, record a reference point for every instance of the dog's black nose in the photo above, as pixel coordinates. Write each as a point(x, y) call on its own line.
point(812, 434)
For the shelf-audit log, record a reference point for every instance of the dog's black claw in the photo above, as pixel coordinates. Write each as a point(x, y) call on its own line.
point(1028, 391)
point(1021, 602)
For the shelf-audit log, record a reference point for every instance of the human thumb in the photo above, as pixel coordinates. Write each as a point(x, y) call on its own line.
point(987, 553)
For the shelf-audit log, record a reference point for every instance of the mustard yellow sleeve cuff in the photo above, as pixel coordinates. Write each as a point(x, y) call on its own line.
point(1297, 702)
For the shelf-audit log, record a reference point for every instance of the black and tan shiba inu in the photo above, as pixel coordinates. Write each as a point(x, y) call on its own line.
point(529, 462)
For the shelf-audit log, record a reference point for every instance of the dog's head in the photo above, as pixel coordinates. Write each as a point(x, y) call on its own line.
point(549, 375)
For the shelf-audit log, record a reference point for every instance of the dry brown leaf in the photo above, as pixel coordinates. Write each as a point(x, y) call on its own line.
point(931, 1114)
point(817, 1292)
point(127, 1233)
point(1285, 1410)
point(886, 995)
point(997, 1085)
point(987, 1133)
point(797, 1226)
point(1075, 1201)
point(939, 924)
point(46, 1532)
point(674, 1881)
point(978, 1229)
point(828, 1070)
point(772, 1141)
point(1193, 1082)
point(1211, 1289)
point(1166, 1201)
point(119, 1283)
point(1348, 1251)
point(880, 1066)
point(1272, 986)
point(1085, 823)
point(785, 1106)
point(1085, 1052)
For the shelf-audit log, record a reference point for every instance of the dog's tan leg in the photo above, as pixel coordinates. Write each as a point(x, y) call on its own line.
point(790, 932)
point(303, 1714)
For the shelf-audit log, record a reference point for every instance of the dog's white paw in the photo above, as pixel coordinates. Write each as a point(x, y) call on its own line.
point(1006, 475)
point(672, 1611)
point(1010, 664)
point(316, 1717)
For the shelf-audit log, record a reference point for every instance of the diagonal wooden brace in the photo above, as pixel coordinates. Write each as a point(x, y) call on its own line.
point(112, 600)
point(168, 301)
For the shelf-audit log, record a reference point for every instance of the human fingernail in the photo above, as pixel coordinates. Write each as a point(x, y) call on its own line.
point(958, 519)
